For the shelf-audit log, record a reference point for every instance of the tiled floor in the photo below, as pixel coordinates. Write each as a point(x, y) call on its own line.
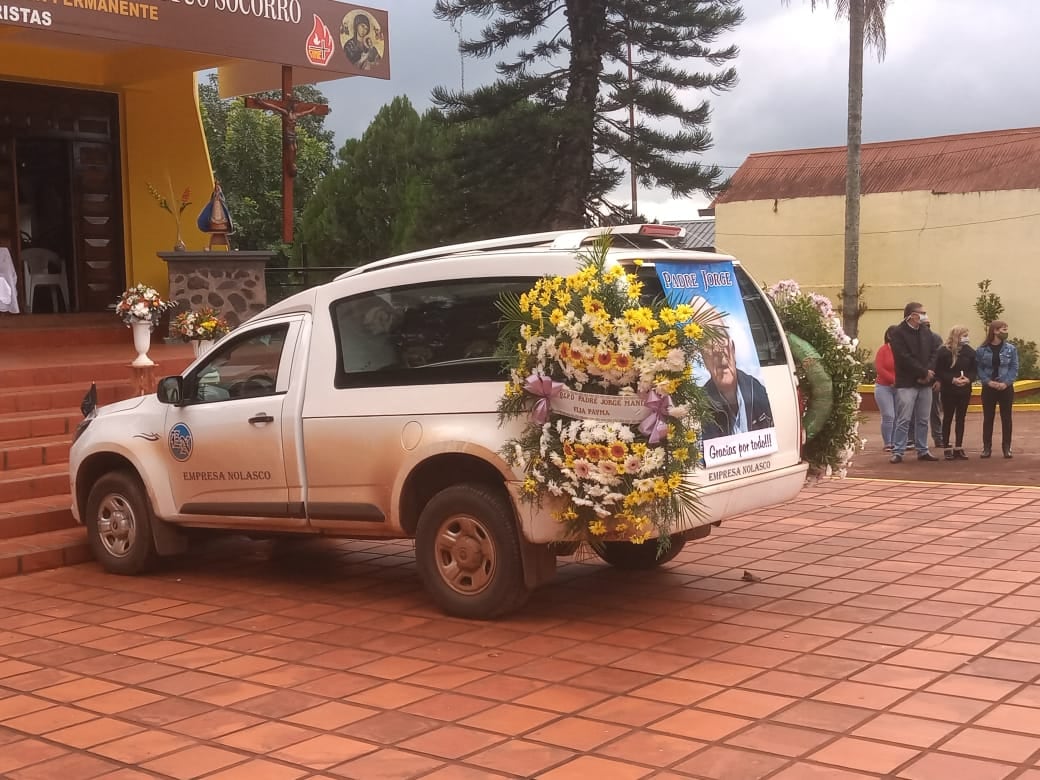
point(889, 630)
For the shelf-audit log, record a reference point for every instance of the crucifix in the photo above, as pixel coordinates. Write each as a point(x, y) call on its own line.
point(289, 109)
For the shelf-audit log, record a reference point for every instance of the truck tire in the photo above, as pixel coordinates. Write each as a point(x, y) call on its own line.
point(639, 557)
point(119, 524)
point(468, 553)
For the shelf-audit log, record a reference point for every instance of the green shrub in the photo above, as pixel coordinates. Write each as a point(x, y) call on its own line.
point(1027, 358)
point(988, 305)
point(866, 360)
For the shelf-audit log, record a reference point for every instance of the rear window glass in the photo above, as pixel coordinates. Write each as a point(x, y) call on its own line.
point(769, 343)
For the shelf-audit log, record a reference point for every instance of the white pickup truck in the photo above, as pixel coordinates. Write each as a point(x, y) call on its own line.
point(366, 408)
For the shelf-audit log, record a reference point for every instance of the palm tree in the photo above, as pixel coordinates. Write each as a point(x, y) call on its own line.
point(866, 28)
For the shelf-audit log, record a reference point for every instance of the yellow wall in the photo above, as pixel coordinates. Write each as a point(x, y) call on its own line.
point(161, 136)
point(164, 145)
point(913, 246)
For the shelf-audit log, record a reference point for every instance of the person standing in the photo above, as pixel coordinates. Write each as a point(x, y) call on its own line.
point(914, 355)
point(998, 370)
point(955, 368)
point(884, 389)
point(934, 420)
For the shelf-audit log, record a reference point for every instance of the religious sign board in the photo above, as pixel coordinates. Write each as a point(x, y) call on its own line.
point(344, 39)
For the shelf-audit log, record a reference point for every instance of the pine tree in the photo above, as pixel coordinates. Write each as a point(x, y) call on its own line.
point(578, 70)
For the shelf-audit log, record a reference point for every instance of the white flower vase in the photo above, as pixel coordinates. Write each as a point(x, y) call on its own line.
point(201, 346)
point(142, 330)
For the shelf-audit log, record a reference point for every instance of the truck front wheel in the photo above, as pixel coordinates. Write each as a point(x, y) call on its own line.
point(119, 528)
point(468, 553)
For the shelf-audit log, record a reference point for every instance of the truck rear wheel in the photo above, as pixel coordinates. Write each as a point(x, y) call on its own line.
point(119, 528)
point(633, 557)
point(468, 553)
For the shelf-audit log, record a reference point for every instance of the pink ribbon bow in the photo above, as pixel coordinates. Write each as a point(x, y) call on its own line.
point(547, 389)
point(654, 425)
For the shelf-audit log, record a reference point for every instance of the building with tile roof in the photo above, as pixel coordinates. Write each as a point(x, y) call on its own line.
point(700, 234)
point(938, 216)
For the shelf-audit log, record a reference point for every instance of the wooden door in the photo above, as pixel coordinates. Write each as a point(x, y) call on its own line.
point(98, 235)
point(8, 195)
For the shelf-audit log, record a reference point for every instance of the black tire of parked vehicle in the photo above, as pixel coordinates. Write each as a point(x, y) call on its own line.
point(638, 557)
point(467, 551)
point(119, 524)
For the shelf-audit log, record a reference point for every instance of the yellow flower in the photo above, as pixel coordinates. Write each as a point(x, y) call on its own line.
point(563, 298)
point(642, 317)
point(530, 486)
point(637, 263)
point(675, 480)
point(692, 330)
point(557, 316)
point(684, 312)
point(525, 303)
point(597, 528)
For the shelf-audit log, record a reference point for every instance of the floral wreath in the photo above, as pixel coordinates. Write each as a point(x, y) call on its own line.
point(829, 374)
point(606, 384)
point(199, 325)
point(142, 303)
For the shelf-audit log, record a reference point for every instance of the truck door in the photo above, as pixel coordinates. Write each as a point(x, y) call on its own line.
point(225, 445)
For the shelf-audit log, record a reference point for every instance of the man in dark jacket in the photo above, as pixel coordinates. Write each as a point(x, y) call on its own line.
point(740, 401)
point(914, 352)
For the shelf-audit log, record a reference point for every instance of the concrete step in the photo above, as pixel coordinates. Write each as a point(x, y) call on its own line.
point(68, 396)
point(41, 451)
point(35, 515)
point(33, 482)
point(81, 373)
point(46, 330)
point(22, 425)
point(40, 551)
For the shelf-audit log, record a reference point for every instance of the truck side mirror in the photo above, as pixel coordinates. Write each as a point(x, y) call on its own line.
point(170, 390)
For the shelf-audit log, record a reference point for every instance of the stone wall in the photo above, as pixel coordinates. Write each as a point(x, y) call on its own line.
point(232, 283)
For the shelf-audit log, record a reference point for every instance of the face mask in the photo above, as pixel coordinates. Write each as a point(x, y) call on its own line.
point(924, 319)
point(1002, 336)
point(965, 340)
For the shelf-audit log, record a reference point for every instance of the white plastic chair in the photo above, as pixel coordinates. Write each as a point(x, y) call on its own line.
point(40, 265)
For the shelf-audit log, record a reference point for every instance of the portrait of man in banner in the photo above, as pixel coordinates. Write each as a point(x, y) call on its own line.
point(739, 399)
point(742, 425)
point(362, 39)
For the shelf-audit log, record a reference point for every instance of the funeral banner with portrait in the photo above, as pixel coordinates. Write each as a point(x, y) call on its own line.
point(741, 427)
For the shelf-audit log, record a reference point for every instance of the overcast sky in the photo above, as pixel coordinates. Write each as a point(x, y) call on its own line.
point(952, 66)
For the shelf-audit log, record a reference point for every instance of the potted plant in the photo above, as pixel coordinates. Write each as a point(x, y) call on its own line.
point(140, 307)
point(202, 327)
point(169, 205)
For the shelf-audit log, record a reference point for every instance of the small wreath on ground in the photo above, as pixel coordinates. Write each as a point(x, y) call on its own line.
point(829, 375)
point(605, 382)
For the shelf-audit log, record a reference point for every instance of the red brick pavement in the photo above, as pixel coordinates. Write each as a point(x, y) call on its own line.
point(893, 632)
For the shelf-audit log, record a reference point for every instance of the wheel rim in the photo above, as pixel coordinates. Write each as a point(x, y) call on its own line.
point(116, 525)
point(465, 554)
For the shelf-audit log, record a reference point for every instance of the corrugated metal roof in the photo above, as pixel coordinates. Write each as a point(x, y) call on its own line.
point(972, 162)
point(700, 233)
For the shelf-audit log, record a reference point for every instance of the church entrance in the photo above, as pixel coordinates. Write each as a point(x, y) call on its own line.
point(61, 215)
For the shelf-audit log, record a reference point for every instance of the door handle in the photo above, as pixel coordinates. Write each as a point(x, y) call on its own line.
point(263, 417)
